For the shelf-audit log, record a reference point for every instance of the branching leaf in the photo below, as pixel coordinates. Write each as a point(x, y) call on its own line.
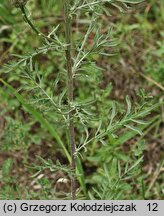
point(134, 129)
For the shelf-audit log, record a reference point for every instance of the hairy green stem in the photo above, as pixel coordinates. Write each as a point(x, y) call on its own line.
point(70, 93)
point(28, 20)
point(30, 23)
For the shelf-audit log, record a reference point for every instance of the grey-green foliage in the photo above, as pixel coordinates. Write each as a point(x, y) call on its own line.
point(112, 180)
point(130, 119)
point(52, 104)
point(98, 5)
point(48, 164)
point(101, 41)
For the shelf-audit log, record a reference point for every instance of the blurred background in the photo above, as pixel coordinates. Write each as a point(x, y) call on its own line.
point(137, 68)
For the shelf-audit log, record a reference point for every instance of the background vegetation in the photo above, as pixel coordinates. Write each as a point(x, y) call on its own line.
point(126, 164)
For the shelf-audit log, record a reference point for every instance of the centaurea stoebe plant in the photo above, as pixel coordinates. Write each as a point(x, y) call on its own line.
point(79, 57)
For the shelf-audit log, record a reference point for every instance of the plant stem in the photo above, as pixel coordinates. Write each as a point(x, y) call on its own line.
point(28, 20)
point(30, 23)
point(70, 93)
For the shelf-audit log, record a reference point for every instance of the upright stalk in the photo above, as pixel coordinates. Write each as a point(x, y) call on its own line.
point(70, 92)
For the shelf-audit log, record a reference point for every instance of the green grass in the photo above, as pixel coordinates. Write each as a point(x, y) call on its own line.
point(121, 164)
